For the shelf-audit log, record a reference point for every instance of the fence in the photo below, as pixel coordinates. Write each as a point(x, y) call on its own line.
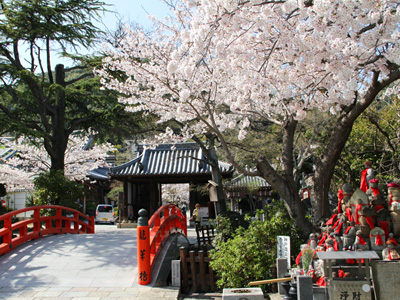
point(17, 233)
point(205, 234)
point(196, 271)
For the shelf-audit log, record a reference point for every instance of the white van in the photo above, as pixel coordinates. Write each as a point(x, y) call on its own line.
point(104, 214)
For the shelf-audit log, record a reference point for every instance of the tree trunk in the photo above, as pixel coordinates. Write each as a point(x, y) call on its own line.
point(212, 160)
point(285, 183)
point(324, 167)
point(217, 178)
point(59, 137)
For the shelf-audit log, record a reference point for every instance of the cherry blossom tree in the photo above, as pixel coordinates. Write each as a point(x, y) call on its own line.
point(31, 159)
point(220, 65)
point(175, 193)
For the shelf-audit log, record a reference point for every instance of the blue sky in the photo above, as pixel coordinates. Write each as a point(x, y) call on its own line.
point(135, 11)
point(129, 11)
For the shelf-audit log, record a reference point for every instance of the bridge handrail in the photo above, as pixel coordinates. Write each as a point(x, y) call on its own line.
point(152, 235)
point(41, 225)
point(167, 220)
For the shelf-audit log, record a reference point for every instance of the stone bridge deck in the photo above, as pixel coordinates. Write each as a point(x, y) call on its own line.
point(100, 266)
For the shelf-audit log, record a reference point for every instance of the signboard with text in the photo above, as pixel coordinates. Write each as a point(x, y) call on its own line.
point(284, 248)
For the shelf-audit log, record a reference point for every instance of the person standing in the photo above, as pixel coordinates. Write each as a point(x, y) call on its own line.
point(196, 216)
point(366, 175)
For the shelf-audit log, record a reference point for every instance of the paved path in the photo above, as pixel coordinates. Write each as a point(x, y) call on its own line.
point(98, 267)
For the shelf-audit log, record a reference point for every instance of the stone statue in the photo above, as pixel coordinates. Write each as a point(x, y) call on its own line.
point(395, 215)
point(367, 217)
point(345, 203)
point(389, 253)
point(391, 238)
point(338, 243)
point(330, 246)
point(378, 202)
point(378, 240)
point(342, 225)
point(347, 242)
point(366, 175)
point(313, 241)
point(391, 187)
point(373, 190)
point(361, 243)
point(384, 221)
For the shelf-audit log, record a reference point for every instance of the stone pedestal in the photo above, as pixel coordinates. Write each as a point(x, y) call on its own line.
point(282, 270)
point(243, 294)
point(386, 279)
point(304, 287)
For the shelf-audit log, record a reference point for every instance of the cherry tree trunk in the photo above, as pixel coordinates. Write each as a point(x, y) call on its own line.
point(325, 165)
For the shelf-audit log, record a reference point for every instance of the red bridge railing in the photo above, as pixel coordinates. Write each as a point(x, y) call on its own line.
point(15, 234)
point(153, 234)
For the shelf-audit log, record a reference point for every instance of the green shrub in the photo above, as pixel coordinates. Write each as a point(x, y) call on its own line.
point(251, 253)
point(227, 224)
point(53, 188)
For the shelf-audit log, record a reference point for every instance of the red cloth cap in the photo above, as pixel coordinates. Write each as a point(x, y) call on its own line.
point(393, 184)
point(374, 180)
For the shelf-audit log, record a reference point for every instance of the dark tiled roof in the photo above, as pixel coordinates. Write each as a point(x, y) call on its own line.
point(99, 173)
point(243, 181)
point(178, 159)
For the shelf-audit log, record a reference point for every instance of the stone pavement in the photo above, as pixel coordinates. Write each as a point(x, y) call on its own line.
point(97, 267)
point(75, 267)
point(88, 293)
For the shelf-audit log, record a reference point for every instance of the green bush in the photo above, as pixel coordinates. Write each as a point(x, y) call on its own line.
point(53, 188)
point(227, 224)
point(251, 253)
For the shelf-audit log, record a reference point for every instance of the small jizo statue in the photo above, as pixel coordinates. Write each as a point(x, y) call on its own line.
point(361, 243)
point(352, 229)
point(342, 225)
point(389, 253)
point(347, 193)
point(384, 220)
point(391, 238)
point(330, 244)
point(313, 241)
point(378, 203)
point(338, 242)
point(392, 187)
point(396, 195)
point(395, 215)
point(373, 189)
point(347, 242)
point(377, 237)
point(367, 220)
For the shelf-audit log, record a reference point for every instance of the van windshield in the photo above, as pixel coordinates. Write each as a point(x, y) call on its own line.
point(104, 208)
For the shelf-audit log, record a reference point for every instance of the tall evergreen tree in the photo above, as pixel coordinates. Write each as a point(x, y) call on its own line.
point(39, 100)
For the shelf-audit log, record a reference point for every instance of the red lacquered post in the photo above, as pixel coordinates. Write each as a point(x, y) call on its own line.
point(143, 248)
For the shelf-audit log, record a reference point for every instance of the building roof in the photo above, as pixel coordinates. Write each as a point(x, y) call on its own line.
point(100, 173)
point(243, 181)
point(168, 160)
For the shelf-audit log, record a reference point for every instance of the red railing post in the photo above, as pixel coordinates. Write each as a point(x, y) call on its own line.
point(58, 218)
point(76, 223)
point(143, 248)
point(166, 215)
point(185, 224)
point(91, 225)
point(7, 238)
point(36, 222)
point(173, 213)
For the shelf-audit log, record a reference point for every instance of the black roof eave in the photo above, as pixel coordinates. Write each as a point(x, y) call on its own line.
point(165, 178)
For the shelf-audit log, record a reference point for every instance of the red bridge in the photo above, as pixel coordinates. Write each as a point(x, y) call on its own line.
point(37, 252)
